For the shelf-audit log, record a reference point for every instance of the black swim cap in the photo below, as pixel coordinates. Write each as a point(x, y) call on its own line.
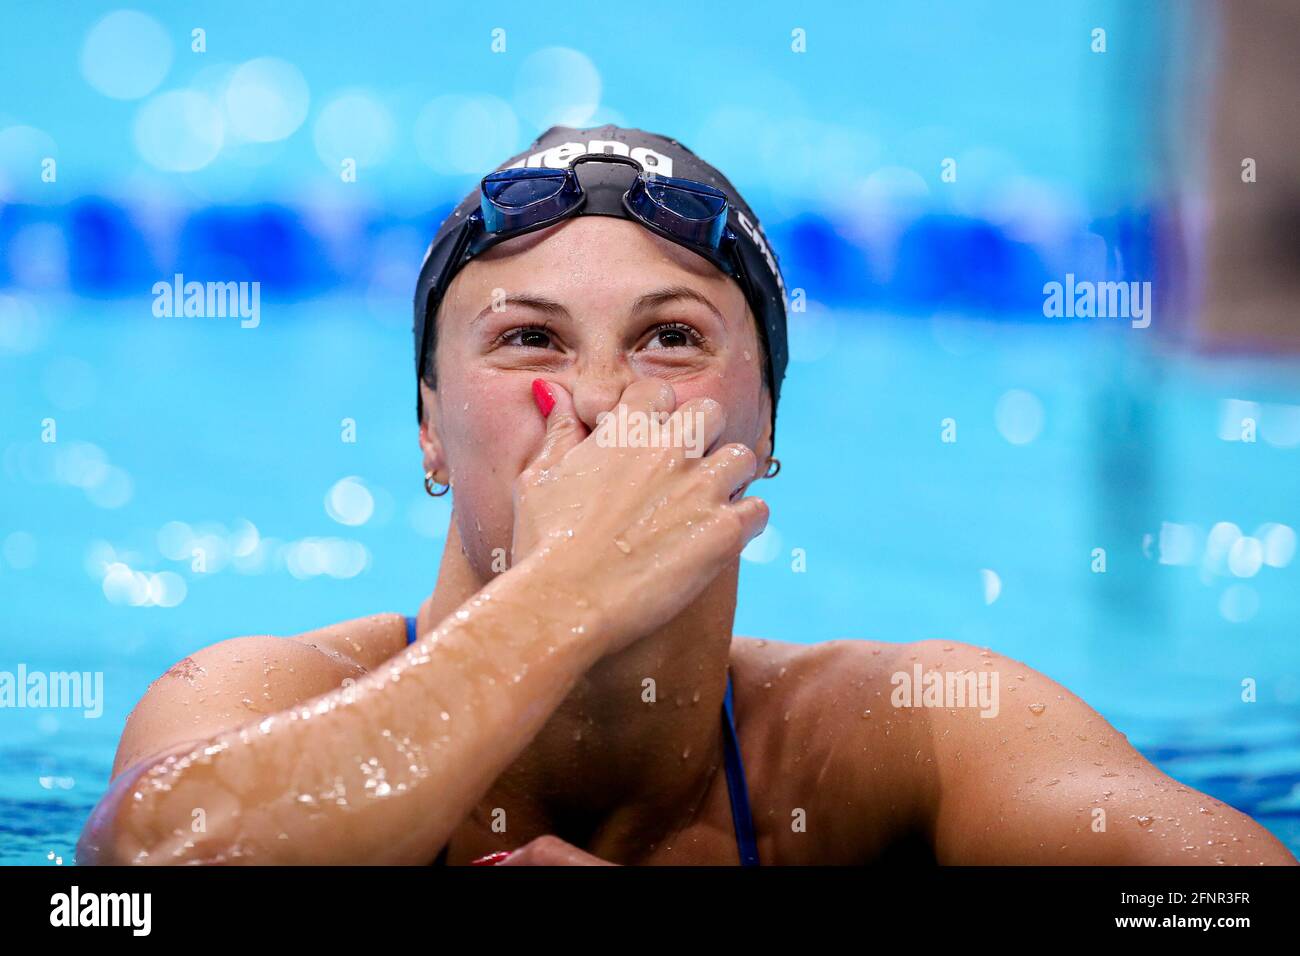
point(557, 148)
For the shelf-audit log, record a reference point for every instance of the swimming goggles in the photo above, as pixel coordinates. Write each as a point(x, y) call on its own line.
point(516, 201)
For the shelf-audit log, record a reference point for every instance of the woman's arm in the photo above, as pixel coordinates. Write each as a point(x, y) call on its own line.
point(1046, 780)
point(382, 771)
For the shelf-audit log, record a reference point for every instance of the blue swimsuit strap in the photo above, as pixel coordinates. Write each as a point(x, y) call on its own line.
point(737, 789)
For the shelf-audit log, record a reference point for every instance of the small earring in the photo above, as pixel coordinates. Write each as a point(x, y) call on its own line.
point(773, 468)
point(429, 483)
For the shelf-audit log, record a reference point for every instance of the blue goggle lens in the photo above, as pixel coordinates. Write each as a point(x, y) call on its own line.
point(519, 198)
point(515, 200)
point(690, 210)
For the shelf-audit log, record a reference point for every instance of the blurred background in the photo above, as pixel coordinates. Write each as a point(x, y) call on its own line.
point(1119, 505)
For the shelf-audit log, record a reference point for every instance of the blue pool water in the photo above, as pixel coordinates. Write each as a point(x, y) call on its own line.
point(1070, 437)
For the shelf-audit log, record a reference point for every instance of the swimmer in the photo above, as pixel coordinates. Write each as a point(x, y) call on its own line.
point(571, 691)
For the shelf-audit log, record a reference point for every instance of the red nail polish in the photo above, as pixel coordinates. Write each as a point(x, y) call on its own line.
point(542, 395)
point(492, 859)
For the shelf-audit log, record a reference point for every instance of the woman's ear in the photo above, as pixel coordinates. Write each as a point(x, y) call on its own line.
point(430, 436)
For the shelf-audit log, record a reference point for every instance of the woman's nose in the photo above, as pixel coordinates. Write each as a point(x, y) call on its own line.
point(597, 388)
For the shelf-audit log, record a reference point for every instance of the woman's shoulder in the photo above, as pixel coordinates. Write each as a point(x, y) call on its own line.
point(843, 658)
point(805, 676)
point(223, 684)
point(366, 641)
point(762, 659)
point(795, 683)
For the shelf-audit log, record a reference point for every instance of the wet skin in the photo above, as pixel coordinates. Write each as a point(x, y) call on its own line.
point(897, 785)
point(836, 773)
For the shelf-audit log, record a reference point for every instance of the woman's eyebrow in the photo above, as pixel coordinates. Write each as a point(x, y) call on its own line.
point(644, 303)
point(527, 300)
point(673, 293)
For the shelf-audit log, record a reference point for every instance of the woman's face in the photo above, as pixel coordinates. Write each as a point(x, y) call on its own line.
point(592, 303)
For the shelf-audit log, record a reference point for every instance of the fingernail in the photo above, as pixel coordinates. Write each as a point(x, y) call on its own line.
point(492, 859)
point(542, 395)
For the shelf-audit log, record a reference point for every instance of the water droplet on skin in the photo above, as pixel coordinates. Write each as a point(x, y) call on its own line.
point(866, 714)
point(1037, 709)
point(695, 698)
point(686, 753)
point(1144, 821)
point(623, 546)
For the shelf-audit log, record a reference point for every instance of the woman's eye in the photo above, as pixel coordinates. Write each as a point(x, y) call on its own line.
point(532, 337)
point(674, 336)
